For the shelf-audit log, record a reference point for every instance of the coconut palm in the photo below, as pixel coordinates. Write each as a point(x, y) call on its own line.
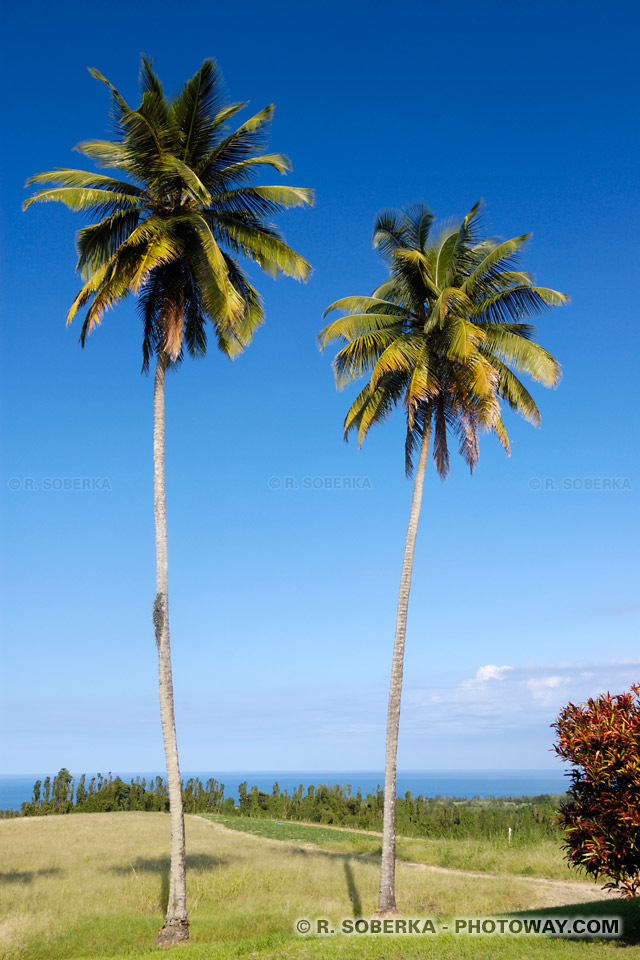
point(169, 230)
point(442, 335)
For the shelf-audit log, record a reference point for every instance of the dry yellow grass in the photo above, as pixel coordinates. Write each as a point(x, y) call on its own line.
point(94, 884)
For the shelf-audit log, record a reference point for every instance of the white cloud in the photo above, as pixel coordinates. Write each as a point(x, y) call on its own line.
point(488, 672)
point(545, 688)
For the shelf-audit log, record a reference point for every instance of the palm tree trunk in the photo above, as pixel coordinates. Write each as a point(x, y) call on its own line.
point(387, 897)
point(176, 924)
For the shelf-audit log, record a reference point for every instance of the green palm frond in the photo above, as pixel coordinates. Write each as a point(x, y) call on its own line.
point(415, 433)
point(440, 439)
point(195, 109)
point(108, 153)
point(100, 203)
point(501, 256)
point(184, 178)
point(441, 253)
point(502, 435)
point(416, 222)
point(242, 144)
point(98, 242)
point(423, 385)
point(522, 354)
point(388, 234)
point(355, 325)
point(511, 389)
point(373, 406)
point(142, 136)
point(259, 243)
point(353, 305)
point(81, 180)
point(264, 201)
point(219, 294)
point(243, 170)
point(361, 355)
point(404, 355)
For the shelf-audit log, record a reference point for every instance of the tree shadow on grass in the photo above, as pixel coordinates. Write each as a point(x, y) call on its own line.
point(347, 860)
point(627, 910)
point(162, 866)
point(28, 876)
point(354, 896)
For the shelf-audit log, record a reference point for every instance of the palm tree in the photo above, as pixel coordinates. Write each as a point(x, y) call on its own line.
point(441, 335)
point(170, 231)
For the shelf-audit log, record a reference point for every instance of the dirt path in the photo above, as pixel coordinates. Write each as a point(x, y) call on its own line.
point(579, 892)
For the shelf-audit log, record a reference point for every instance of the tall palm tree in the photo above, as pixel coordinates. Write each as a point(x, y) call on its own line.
point(442, 335)
point(169, 230)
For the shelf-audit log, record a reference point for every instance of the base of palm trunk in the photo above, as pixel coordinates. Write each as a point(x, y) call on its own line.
point(172, 931)
point(383, 912)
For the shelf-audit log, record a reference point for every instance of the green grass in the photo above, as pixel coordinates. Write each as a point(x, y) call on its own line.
point(94, 886)
point(541, 859)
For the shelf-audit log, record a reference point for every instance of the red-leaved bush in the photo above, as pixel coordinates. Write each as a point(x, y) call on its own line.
point(601, 738)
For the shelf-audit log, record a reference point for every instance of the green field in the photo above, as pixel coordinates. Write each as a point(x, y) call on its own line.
point(541, 859)
point(93, 886)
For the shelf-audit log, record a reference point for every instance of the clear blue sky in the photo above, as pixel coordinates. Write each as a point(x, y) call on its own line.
point(283, 600)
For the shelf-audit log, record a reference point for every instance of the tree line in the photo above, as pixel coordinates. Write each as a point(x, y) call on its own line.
point(530, 818)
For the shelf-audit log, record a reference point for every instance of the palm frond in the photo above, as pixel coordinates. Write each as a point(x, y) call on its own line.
point(364, 305)
point(264, 200)
point(218, 293)
point(373, 406)
point(361, 355)
point(516, 303)
point(99, 242)
point(108, 153)
point(514, 392)
point(404, 355)
point(355, 325)
point(100, 203)
point(500, 256)
point(195, 110)
point(259, 243)
point(243, 170)
point(414, 436)
point(388, 234)
point(81, 180)
point(502, 435)
point(523, 354)
point(185, 179)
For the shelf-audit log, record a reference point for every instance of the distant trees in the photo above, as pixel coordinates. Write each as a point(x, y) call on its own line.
point(108, 794)
point(601, 817)
point(530, 818)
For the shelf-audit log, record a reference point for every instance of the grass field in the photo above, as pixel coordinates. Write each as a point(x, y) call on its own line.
point(93, 886)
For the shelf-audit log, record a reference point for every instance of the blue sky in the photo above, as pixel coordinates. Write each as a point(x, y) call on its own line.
point(285, 543)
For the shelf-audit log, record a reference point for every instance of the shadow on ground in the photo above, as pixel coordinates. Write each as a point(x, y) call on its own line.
point(627, 910)
point(162, 866)
point(28, 876)
point(195, 861)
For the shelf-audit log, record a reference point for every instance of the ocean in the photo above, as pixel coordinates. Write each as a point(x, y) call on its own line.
point(15, 789)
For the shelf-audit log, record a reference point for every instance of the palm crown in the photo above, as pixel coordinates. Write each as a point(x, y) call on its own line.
point(172, 230)
point(443, 335)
